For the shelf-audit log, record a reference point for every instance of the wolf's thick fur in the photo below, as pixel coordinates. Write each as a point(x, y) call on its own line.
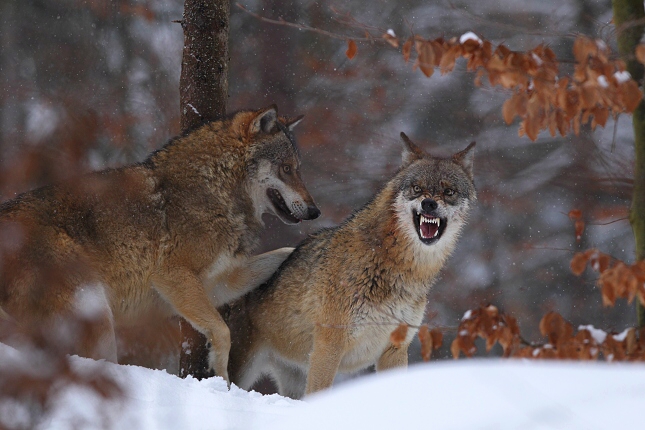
point(334, 302)
point(174, 232)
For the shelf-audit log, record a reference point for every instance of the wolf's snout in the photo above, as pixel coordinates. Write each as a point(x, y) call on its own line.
point(428, 205)
point(313, 212)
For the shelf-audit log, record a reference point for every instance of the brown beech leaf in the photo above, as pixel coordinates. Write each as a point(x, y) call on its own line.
point(575, 214)
point(454, 348)
point(407, 48)
point(425, 56)
point(555, 328)
point(599, 262)
point(583, 47)
point(392, 40)
point(397, 337)
point(437, 338)
point(632, 95)
point(600, 116)
point(515, 106)
point(352, 49)
point(580, 228)
point(579, 263)
point(640, 53)
point(608, 295)
point(425, 337)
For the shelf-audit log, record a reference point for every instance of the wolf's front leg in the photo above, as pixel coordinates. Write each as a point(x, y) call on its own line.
point(393, 357)
point(185, 292)
point(329, 348)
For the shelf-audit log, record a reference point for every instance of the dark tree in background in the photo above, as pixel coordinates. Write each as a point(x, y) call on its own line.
point(628, 18)
point(203, 90)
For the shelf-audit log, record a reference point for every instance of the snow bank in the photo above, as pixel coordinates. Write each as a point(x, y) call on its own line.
point(155, 400)
point(468, 394)
point(482, 394)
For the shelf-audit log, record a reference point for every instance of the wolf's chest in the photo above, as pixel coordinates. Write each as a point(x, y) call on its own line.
point(371, 329)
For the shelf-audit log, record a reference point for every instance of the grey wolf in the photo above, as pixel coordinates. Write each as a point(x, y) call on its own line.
point(175, 232)
point(333, 303)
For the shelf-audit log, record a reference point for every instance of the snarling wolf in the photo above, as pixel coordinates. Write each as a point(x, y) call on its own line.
point(333, 303)
point(174, 232)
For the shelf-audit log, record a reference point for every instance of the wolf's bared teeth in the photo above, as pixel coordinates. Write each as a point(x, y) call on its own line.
point(428, 227)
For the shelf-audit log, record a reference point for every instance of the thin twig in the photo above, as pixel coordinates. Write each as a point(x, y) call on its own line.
point(610, 222)
point(304, 27)
point(613, 138)
point(528, 343)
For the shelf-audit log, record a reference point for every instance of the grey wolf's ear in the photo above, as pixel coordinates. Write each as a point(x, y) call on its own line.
point(411, 152)
point(293, 122)
point(465, 158)
point(264, 121)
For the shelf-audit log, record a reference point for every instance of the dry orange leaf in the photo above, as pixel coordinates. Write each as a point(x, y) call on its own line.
point(579, 263)
point(556, 328)
point(407, 48)
point(392, 40)
point(437, 338)
point(640, 53)
point(632, 95)
point(425, 56)
point(352, 49)
point(426, 342)
point(580, 228)
point(397, 337)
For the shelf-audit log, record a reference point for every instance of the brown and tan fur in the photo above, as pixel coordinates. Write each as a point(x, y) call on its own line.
point(334, 302)
point(174, 233)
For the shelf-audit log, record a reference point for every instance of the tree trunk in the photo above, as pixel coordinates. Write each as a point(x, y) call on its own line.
point(203, 90)
point(625, 12)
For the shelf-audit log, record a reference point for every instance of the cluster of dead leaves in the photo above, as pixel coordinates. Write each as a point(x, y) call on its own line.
point(489, 324)
point(598, 88)
point(587, 344)
point(430, 339)
point(563, 342)
point(617, 279)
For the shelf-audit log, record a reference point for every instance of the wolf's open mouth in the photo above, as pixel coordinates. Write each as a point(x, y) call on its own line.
point(429, 228)
point(281, 207)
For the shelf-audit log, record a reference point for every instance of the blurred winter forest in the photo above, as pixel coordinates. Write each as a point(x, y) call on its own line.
point(91, 84)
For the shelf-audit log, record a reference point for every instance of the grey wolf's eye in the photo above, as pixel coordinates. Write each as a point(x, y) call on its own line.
point(286, 168)
point(416, 189)
point(449, 191)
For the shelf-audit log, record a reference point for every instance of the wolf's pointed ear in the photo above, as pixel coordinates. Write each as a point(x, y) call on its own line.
point(264, 121)
point(293, 122)
point(411, 152)
point(466, 158)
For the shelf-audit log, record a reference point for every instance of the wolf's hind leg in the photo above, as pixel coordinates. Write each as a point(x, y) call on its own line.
point(291, 380)
point(95, 323)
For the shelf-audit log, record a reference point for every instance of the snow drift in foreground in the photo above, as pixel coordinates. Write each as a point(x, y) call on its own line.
point(483, 394)
point(469, 394)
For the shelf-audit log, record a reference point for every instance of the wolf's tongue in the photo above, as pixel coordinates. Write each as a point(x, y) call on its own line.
point(428, 230)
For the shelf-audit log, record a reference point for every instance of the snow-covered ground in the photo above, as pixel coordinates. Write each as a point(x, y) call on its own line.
point(468, 394)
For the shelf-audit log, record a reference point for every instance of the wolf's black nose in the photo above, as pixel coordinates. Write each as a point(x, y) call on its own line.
point(428, 205)
point(313, 212)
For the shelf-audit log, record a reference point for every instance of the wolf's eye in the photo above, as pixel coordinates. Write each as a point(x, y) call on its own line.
point(449, 191)
point(286, 168)
point(416, 189)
